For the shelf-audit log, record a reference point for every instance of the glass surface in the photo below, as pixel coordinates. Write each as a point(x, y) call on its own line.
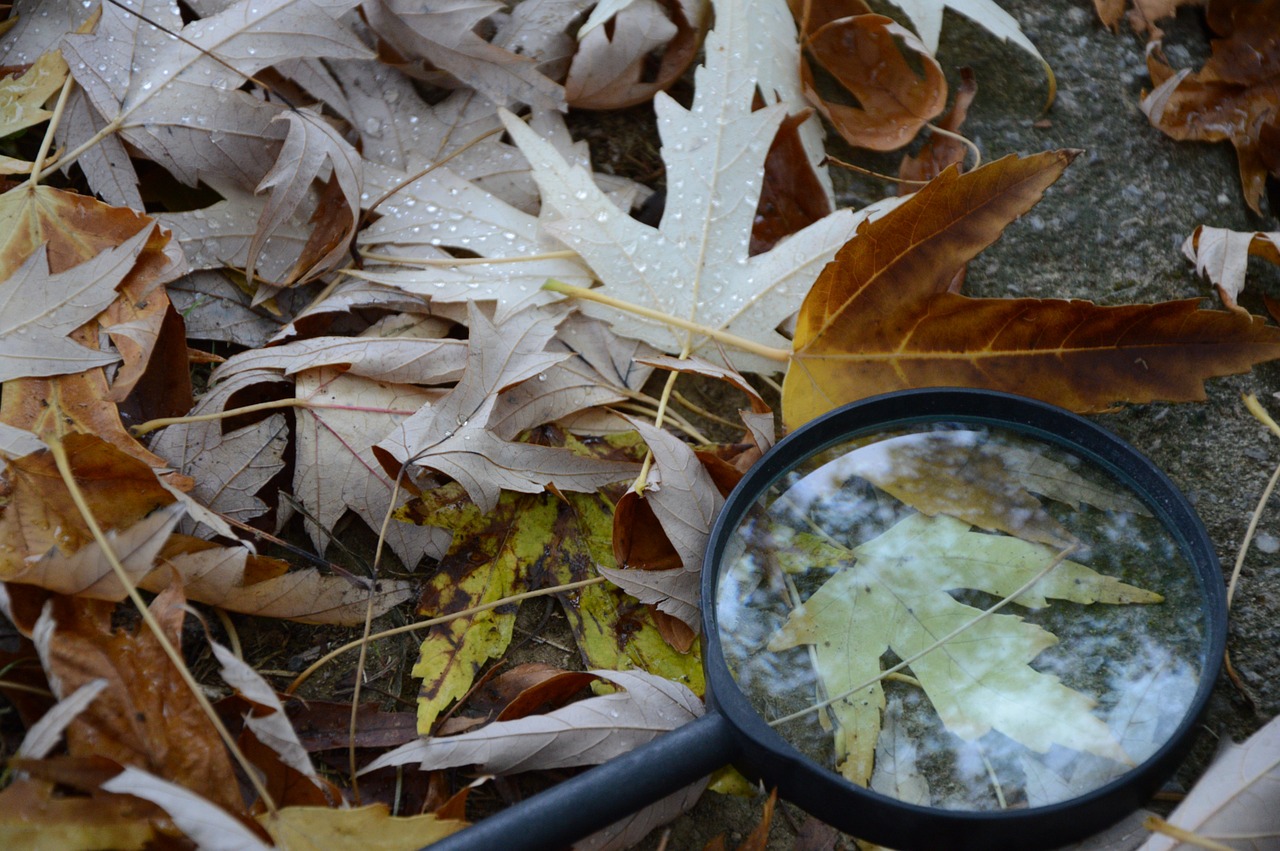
point(1051, 629)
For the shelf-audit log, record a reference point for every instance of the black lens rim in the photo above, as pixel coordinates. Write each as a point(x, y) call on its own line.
point(887, 821)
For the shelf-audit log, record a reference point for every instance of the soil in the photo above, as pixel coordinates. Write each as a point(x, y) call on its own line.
point(1110, 231)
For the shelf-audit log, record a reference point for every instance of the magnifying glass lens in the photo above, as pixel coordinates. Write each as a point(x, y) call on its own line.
point(963, 616)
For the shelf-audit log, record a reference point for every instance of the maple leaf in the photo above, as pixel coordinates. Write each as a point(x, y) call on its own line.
point(588, 732)
point(881, 318)
point(926, 17)
point(1222, 256)
point(695, 265)
point(1234, 96)
point(22, 97)
point(451, 436)
point(526, 541)
point(896, 584)
point(40, 309)
point(149, 85)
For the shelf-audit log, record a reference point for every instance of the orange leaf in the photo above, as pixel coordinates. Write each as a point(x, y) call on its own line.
point(879, 317)
point(146, 716)
point(862, 54)
point(1235, 95)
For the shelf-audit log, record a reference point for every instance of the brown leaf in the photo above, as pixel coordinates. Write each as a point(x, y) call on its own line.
point(792, 197)
point(1234, 96)
point(34, 816)
point(894, 102)
point(941, 151)
point(1144, 14)
point(612, 67)
point(147, 716)
point(879, 318)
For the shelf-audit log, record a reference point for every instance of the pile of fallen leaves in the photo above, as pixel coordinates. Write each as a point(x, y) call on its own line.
point(413, 305)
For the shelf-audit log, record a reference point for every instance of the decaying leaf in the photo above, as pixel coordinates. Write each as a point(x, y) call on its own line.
point(588, 732)
point(1234, 96)
point(22, 96)
point(1234, 798)
point(1145, 14)
point(1222, 256)
point(881, 318)
point(895, 584)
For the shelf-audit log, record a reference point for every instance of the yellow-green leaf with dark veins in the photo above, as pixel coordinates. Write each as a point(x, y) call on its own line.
point(528, 541)
point(897, 585)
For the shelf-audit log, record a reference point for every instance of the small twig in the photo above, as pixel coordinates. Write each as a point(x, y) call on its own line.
point(869, 173)
point(1155, 824)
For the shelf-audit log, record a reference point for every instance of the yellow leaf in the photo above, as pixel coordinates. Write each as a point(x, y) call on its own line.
point(370, 828)
point(22, 98)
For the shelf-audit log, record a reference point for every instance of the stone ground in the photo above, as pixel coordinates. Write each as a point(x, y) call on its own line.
point(1110, 231)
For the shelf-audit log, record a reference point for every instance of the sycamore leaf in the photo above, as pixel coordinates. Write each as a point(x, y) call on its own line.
point(201, 819)
point(451, 436)
point(1222, 256)
point(609, 68)
point(40, 309)
point(588, 732)
point(178, 100)
point(147, 716)
point(1234, 801)
point(695, 265)
point(893, 101)
point(1234, 96)
point(881, 318)
point(369, 828)
point(527, 541)
point(926, 17)
point(443, 35)
point(22, 98)
point(897, 584)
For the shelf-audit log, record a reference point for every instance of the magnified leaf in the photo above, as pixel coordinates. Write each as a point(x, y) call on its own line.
point(891, 594)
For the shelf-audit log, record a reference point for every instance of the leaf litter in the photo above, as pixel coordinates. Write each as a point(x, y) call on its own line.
point(436, 380)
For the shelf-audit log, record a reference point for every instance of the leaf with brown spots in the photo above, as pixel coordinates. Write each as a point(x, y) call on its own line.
point(880, 318)
point(147, 716)
point(1234, 96)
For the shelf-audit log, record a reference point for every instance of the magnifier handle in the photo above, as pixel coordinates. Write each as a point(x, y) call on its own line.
point(595, 799)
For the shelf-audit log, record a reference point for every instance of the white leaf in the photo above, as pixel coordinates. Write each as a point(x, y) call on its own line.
point(588, 732)
point(211, 827)
point(45, 733)
point(695, 265)
point(926, 17)
point(1235, 800)
point(38, 309)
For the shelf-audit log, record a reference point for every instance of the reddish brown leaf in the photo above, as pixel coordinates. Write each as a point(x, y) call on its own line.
point(879, 317)
point(1144, 15)
point(1236, 94)
point(542, 688)
point(147, 717)
point(792, 197)
point(862, 54)
point(941, 151)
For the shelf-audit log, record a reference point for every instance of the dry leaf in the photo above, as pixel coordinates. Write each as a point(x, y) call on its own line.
point(1235, 95)
point(369, 828)
point(696, 264)
point(1222, 256)
point(609, 69)
point(452, 437)
point(1235, 797)
point(147, 716)
point(22, 97)
point(210, 825)
point(893, 101)
point(588, 732)
point(880, 317)
point(1144, 15)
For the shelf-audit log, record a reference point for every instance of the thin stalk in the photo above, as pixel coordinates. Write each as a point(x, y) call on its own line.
point(459, 261)
point(986, 613)
point(1155, 824)
point(414, 627)
point(54, 120)
point(733, 340)
point(63, 463)
point(964, 140)
point(161, 422)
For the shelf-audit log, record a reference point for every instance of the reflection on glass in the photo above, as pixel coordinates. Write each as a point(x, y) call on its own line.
point(962, 617)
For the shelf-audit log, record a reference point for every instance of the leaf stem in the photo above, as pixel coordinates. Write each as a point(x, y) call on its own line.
point(413, 627)
point(1155, 824)
point(379, 257)
point(63, 463)
point(55, 119)
point(1054, 562)
point(740, 343)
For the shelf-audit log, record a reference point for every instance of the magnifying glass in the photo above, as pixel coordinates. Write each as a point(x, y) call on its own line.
point(935, 619)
